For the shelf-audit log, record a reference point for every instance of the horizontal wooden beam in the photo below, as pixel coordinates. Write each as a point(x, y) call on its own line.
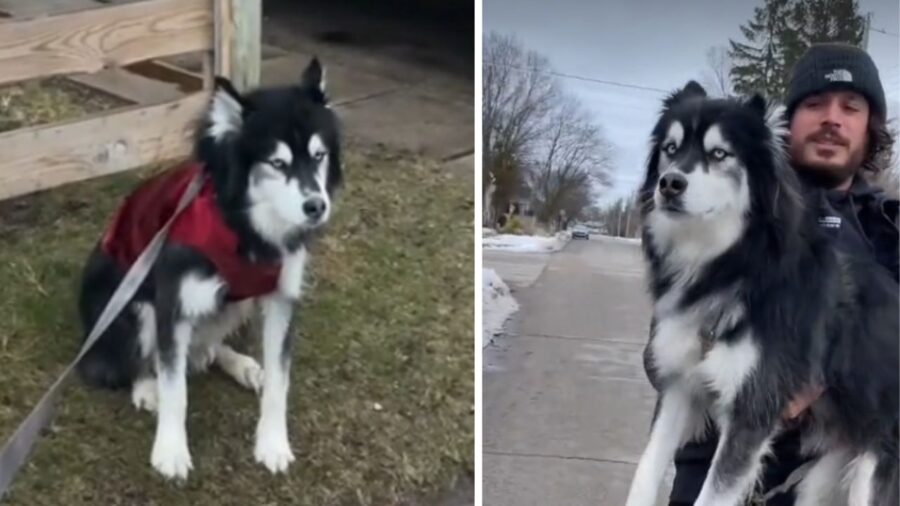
point(42, 157)
point(130, 86)
point(160, 70)
point(88, 41)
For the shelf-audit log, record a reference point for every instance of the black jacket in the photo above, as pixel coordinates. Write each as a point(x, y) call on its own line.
point(861, 221)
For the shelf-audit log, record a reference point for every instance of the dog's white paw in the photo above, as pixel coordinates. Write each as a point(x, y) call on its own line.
point(273, 450)
point(144, 394)
point(247, 372)
point(171, 457)
point(201, 358)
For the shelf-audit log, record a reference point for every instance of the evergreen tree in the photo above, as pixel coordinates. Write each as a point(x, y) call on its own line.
point(780, 32)
point(758, 64)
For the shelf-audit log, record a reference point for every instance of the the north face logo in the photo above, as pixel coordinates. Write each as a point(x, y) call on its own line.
point(842, 75)
point(830, 221)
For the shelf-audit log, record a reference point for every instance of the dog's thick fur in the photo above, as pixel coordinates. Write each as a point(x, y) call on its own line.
point(273, 158)
point(752, 303)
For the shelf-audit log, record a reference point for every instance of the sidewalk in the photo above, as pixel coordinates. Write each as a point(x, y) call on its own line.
point(566, 403)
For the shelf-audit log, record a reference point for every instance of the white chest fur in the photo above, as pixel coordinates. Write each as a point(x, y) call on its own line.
point(678, 351)
point(676, 345)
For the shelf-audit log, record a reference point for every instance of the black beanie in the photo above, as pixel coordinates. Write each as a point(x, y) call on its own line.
point(835, 66)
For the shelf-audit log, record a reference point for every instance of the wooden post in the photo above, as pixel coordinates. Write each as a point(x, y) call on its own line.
point(238, 41)
point(224, 32)
point(208, 69)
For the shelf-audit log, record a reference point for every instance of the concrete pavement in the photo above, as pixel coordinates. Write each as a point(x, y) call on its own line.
point(404, 78)
point(566, 404)
point(518, 270)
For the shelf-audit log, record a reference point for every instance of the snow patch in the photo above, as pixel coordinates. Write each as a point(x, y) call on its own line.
point(498, 305)
point(526, 243)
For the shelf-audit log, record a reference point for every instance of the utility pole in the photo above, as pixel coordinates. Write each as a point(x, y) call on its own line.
point(627, 221)
point(619, 221)
point(866, 27)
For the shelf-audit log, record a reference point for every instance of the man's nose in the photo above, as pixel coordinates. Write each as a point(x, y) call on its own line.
point(834, 115)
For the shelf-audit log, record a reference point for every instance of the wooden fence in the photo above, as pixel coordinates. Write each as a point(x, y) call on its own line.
point(133, 35)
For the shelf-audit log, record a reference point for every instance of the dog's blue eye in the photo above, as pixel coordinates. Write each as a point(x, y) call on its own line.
point(318, 157)
point(278, 163)
point(670, 148)
point(719, 154)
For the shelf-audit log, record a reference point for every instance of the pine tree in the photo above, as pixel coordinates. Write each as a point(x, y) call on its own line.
point(835, 21)
point(794, 40)
point(758, 65)
point(780, 32)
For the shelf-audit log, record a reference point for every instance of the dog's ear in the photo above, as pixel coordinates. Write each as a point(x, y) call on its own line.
point(691, 91)
point(651, 179)
point(757, 103)
point(773, 113)
point(313, 80)
point(226, 112)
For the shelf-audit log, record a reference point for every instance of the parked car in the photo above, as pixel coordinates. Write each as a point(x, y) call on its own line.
point(580, 232)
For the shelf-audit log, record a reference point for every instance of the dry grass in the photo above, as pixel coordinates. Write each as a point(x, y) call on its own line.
point(387, 322)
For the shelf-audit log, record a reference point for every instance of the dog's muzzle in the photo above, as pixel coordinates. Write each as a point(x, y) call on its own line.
point(672, 185)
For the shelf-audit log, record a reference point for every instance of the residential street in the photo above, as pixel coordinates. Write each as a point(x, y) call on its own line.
point(567, 406)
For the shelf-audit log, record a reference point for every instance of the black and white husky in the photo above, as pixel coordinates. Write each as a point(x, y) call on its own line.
point(750, 304)
point(271, 163)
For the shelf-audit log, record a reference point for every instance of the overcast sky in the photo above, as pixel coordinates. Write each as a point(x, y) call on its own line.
point(654, 43)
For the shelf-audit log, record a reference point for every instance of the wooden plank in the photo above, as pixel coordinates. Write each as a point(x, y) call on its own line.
point(246, 50)
point(160, 70)
point(38, 158)
point(27, 9)
point(88, 41)
point(130, 86)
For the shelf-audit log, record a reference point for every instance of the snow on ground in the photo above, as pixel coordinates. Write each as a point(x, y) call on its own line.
point(526, 243)
point(497, 305)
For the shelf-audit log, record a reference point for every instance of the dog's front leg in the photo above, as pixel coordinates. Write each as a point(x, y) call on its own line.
point(821, 485)
point(671, 425)
point(862, 480)
point(736, 465)
point(272, 447)
point(170, 455)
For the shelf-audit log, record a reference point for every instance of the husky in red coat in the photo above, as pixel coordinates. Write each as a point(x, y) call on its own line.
point(270, 160)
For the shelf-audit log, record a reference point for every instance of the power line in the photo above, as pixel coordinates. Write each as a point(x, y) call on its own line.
point(582, 78)
point(882, 30)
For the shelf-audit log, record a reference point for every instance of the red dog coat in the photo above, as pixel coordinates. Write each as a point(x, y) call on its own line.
point(200, 226)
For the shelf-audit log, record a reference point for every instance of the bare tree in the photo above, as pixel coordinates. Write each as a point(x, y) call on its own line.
point(570, 165)
point(622, 218)
point(517, 92)
point(717, 76)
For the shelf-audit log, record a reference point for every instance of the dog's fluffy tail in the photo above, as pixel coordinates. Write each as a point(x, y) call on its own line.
point(115, 359)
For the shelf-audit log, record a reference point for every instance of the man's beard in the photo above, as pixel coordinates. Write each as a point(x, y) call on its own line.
point(829, 176)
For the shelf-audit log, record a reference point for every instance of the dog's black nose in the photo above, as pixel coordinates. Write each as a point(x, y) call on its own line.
point(314, 207)
point(672, 184)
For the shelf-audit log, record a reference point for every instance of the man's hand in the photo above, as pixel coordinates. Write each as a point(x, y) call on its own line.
point(801, 401)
